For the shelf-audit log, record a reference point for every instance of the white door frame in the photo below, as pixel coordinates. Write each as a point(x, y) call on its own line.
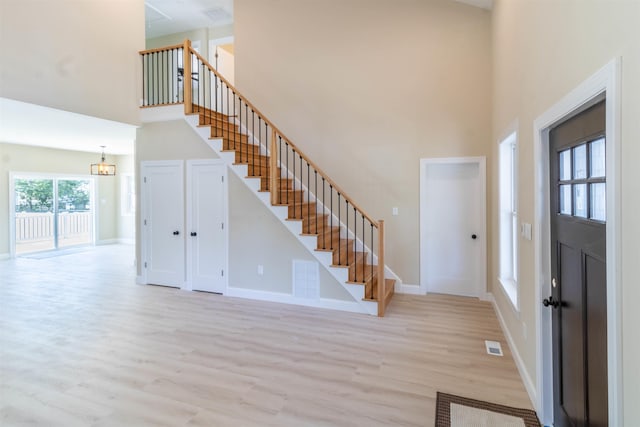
point(606, 81)
point(144, 233)
point(225, 190)
point(481, 162)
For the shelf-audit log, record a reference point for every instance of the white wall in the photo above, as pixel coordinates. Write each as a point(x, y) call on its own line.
point(79, 56)
point(543, 50)
point(200, 36)
point(255, 235)
point(126, 223)
point(368, 87)
point(25, 158)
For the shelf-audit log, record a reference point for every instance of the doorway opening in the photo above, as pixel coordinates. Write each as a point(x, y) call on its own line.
point(453, 226)
point(51, 212)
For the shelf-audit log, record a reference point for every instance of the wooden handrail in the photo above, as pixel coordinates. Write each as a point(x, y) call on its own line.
point(274, 127)
point(161, 49)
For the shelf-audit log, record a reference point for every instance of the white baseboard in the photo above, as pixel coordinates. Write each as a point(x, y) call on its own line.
point(404, 288)
point(332, 304)
point(127, 241)
point(5, 256)
point(106, 242)
point(524, 375)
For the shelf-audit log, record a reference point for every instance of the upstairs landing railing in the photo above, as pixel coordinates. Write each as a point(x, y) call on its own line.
point(178, 74)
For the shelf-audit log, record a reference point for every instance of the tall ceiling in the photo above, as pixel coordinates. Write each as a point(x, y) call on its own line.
point(164, 17)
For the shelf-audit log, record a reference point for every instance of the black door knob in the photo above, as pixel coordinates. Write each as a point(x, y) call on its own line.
point(194, 234)
point(550, 302)
point(175, 233)
point(474, 237)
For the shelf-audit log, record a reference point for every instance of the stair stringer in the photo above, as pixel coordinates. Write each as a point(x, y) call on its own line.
point(341, 274)
point(348, 234)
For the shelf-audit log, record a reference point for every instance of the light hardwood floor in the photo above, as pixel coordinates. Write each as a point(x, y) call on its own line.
point(82, 344)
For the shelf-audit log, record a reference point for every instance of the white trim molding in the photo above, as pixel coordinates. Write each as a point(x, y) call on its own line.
point(526, 378)
point(481, 161)
point(333, 304)
point(604, 84)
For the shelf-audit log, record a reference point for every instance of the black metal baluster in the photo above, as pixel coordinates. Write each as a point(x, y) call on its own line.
point(347, 213)
point(308, 200)
point(152, 78)
point(331, 213)
point(293, 182)
point(315, 193)
point(293, 193)
point(234, 119)
point(246, 129)
point(253, 151)
point(143, 80)
point(324, 205)
point(339, 225)
point(260, 151)
point(215, 80)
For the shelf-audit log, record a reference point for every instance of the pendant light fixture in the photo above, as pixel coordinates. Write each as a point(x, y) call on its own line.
point(103, 168)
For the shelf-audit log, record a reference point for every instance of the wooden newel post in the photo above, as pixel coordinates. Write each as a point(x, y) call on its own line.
point(273, 169)
point(381, 282)
point(186, 77)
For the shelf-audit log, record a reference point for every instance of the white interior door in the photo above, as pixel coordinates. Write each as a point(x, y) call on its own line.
point(162, 219)
point(207, 241)
point(452, 226)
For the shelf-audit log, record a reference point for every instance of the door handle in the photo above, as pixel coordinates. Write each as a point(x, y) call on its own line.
point(550, 302)
point(194, 234)
point(474, 237)
point(175, 233)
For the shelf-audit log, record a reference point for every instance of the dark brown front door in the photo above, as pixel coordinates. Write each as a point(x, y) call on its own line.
point(578, 268)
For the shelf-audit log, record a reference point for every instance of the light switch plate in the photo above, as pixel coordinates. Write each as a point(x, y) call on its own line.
point(525, 230)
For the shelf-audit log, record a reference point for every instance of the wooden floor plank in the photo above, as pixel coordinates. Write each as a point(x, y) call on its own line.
point(82, 344)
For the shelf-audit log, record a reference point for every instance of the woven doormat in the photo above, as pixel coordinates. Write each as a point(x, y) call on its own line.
point(456, 411)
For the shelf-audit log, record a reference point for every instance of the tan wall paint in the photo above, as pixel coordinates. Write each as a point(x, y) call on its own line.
point(543, 50)
point(68, 54)
point(368, 87)
point(25, 158)
point(255, 236)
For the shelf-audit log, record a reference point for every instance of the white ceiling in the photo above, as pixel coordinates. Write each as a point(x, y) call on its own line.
point(30, 124)
point(164, 17)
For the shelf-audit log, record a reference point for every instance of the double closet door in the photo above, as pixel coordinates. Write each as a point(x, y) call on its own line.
point(184, 236)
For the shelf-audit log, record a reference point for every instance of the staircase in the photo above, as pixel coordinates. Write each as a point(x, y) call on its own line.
point(340, 235)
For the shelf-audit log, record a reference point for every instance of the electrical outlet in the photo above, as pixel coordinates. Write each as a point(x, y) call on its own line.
point(395, 211)
point(260, 270)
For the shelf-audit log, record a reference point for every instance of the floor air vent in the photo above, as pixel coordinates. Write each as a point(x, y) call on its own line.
point(493, 348)
point(306, 279)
